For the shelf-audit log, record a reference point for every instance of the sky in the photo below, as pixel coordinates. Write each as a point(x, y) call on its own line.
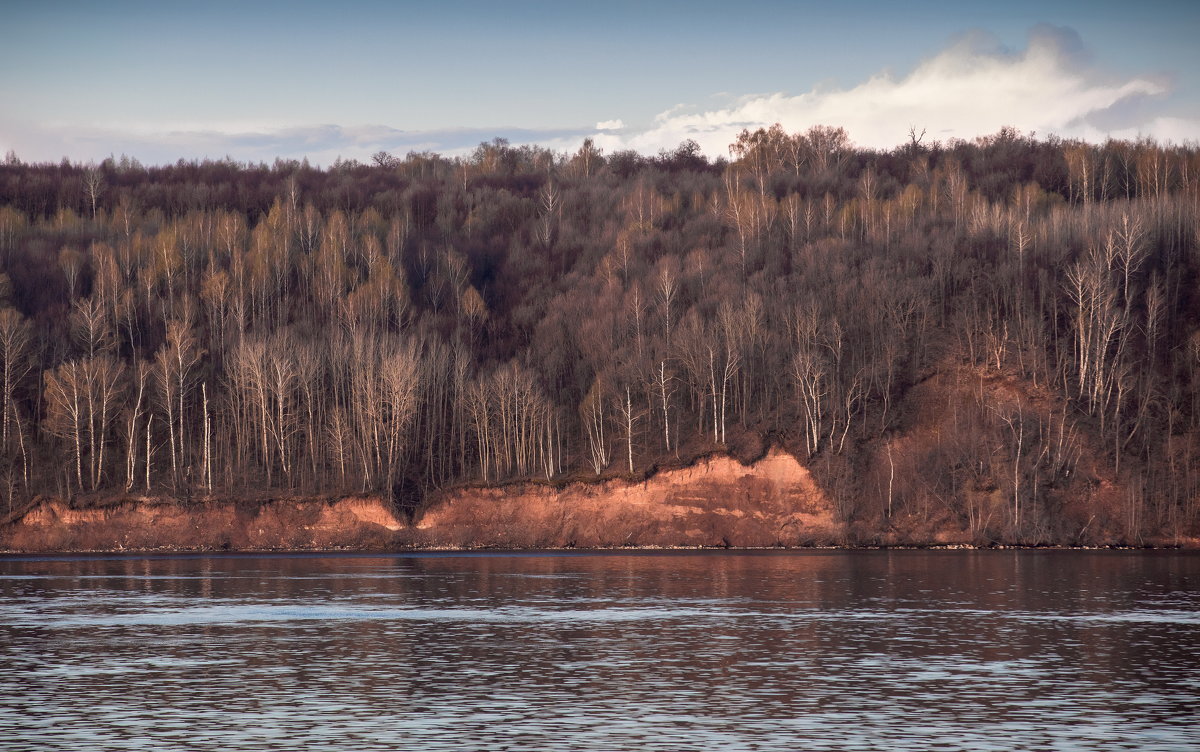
point(165, 80)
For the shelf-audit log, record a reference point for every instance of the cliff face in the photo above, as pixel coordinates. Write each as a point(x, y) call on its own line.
point(718, 501)
point(715, 502)
point(219, 525)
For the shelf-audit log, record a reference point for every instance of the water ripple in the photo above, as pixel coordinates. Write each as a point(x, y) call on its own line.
point(897, 651)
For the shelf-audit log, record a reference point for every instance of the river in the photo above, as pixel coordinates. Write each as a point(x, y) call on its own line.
point(815, 650)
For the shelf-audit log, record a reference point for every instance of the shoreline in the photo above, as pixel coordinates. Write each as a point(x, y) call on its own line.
point(170, 551)
point(717, 503)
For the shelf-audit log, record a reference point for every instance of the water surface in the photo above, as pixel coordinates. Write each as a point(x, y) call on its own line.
point(612, 651)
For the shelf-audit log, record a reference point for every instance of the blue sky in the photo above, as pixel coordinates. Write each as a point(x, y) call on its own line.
point(164, 80)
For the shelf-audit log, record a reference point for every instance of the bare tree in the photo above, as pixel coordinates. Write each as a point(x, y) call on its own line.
point(81, 400)
point(810, 373)
point(16, 363)
point(141, 373)
point(174, 370)
point(592, 413)
point(93, 185)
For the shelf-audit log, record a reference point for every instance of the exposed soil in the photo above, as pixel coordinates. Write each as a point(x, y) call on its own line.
point(148, 524)
point(717, 502)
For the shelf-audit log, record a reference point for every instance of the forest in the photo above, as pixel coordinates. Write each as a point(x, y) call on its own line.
point(1001, 335)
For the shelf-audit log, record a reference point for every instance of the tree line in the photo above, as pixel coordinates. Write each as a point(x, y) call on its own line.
point(216, 328)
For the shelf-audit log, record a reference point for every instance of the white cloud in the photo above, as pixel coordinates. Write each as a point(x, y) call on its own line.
point(972, 88)
point(610, 125)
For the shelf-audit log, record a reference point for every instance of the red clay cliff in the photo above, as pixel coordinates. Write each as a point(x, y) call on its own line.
point(716, 502)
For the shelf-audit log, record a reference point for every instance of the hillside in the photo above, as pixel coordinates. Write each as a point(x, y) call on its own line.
point(988, 341)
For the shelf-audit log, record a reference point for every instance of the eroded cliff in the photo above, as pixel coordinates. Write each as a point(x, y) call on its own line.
point(717, 501)
point(148, 524)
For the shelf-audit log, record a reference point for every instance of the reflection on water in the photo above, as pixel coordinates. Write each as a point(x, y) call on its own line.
point(755, 651)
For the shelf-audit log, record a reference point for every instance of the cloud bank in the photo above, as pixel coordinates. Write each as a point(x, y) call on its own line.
point(973, 87)
point(320, 144)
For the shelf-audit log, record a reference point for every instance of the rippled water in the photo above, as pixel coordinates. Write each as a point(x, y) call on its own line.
point(642, 651)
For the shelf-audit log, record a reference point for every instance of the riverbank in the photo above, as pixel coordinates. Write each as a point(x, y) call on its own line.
point(719, 502)
point(716, 502)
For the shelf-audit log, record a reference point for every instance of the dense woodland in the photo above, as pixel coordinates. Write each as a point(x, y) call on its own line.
point(1001, 335)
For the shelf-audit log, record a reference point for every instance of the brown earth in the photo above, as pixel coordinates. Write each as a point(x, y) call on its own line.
point(148, 524)
point(951, 466)
point(717, 501)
